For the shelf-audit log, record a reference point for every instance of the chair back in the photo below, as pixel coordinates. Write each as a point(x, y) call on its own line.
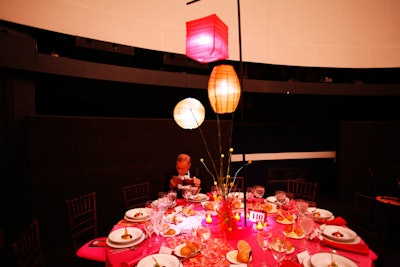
point(370, 220)
point(27, 248)
point(82, 214)
point(136, 195)
point(302, 189)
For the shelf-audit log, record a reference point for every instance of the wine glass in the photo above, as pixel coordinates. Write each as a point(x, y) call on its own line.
point(312, 207)
point(187, 193)
point(172, 195)
point(263, 238)
point(301, 206)
point(259, 191)
point(203, 234)
point(278, 249)
point(149, 228)
point(250, 192)
point(280, 197)
point(306, 224)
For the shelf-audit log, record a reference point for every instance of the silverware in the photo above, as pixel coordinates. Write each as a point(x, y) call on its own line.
point(118, 250)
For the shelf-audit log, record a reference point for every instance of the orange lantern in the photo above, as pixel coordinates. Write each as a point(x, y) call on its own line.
point(224, 89)
point(207, 39)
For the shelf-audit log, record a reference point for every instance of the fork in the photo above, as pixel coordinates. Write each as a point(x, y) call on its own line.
point(118, 250)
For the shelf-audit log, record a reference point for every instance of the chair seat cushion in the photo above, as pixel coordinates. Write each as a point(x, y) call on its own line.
point(93, 250)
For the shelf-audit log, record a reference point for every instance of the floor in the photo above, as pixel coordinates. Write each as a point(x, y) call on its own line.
point(63, 256)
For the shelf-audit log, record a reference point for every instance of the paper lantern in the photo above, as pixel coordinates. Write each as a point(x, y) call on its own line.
point(224, 89)
point(207, 39)
point(189, 113)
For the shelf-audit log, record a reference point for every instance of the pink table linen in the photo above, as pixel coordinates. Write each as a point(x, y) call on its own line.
point(214, 253)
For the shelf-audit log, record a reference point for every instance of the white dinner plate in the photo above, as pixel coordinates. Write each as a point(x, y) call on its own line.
point(320, 214)
point(324, 259)
point(177, 232)
point(272, 199)
point(138, 213)
point(116, 235)
point(199, 198)
point(231, 256)
point(177, 251)
point(162, 259)
point(293, 235)
point(346, 234)
point(119, 245)
point(136, 220)
point(286, 221)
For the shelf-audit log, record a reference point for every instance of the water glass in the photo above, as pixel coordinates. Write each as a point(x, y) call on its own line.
point(263, 238)
point(301, 206)
point(278, 249)
point(307, 225)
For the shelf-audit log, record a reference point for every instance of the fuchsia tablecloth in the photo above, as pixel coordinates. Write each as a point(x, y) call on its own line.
point(130, 258)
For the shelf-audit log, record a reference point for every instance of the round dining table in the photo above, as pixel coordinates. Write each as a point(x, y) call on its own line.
point(216, 251)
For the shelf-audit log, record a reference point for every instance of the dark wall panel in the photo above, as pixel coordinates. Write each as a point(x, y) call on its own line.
point(75, 155)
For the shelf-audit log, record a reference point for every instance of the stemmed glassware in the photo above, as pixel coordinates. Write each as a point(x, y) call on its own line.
point(263, 238)
point(250, 192)
point(203, 235)
point(280, 197)
point(307, 225)
point(187, 193)
point(301, 206)
point(172, 195)
point(312, 207)
point(278, 249)
point(149, 228)
point(259, 191)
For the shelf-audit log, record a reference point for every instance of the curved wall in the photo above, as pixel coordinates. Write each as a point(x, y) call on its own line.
point(330, 33)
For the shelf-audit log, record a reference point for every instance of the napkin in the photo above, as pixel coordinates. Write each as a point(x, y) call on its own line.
point(336, 221)
point(355, 248)
point(289, 263)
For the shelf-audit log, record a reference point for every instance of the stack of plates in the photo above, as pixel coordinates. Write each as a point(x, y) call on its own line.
point(340, 234)
point(115, 239)
point(137, 215)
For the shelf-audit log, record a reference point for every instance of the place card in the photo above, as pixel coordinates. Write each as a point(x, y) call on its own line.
point(165, 250)
point(302, 255)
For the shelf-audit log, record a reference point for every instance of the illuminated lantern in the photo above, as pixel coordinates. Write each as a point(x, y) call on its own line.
point(189, 113)
point(207, 39)
point(224, 89)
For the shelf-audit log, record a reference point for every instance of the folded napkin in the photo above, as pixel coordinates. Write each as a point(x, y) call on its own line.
point(289, 263)
point(354, 248)
point(336, 221)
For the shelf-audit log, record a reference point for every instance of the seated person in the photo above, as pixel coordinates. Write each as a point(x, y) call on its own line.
point(181, 178)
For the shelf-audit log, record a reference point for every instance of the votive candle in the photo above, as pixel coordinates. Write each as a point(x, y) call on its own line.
point(209, 218)
point(237, 216)
point(259, 226)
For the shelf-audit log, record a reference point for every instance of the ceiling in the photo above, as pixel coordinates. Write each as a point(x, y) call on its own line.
point(313, 33)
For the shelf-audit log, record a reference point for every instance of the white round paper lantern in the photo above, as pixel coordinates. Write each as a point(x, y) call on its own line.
point(189, 113)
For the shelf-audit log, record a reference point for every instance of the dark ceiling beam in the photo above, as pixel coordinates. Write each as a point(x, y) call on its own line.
point(19, 52)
